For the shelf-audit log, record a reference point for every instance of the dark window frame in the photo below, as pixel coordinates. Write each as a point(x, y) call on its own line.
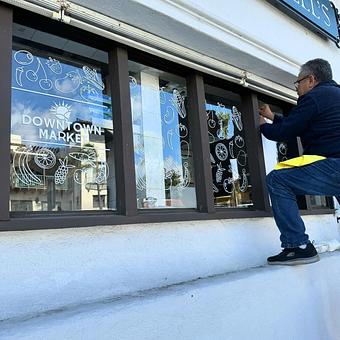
point(127, 212)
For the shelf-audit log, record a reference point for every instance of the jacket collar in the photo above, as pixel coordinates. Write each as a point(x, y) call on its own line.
point(326, 83)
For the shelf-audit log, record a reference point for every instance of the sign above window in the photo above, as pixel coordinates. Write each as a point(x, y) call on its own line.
point(320, 15)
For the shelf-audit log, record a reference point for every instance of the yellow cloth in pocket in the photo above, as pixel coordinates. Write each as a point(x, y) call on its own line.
point(298, 161)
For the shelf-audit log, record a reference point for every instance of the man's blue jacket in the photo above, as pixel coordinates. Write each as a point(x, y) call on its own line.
point(315, 119)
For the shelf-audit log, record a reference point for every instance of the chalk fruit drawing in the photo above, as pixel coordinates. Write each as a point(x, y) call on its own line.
point(221, 131)
point(185, 148)
point(88, 93)
point(32, 75)
point(69, 83)
point(140, 175)
point(239, 141)
point(236, 116)
point(242, 158)
point(21, 167)
point(45, 158)
point(23, 57)
point(62, 171)
point(133, 82)
point(162, 96)
point(221, 151)
point(91, 76)
point(219, 173)
point(186, 177)
point(102, 173)
point(169, 135)
point(77, 175)
point(181, 131)
point(54, 65)
point(169, 115)
point(229, 185)
point(87, 157)
point(215, 189)
point(283, 149)
point(211, 121)
point(244, 185)
point(178, 101)
point(211, 137)
point(18, 75)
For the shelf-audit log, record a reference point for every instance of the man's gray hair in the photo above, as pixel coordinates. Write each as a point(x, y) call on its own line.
point(320, 68)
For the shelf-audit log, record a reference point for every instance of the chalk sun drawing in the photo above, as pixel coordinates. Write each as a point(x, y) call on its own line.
point(61, 110)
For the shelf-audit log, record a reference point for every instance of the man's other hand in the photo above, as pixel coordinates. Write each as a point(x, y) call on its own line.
point(262, 120)
point(265, 112)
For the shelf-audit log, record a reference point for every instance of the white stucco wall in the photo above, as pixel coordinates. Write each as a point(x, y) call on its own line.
point(280, 303)
point(55, 269)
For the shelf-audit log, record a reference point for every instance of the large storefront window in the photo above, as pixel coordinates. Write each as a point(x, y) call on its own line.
point(162, 147)
point(61, 130)
point(228, 150)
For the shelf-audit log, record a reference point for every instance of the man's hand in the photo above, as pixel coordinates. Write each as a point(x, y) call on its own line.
point(265, 112)
point(262, 120)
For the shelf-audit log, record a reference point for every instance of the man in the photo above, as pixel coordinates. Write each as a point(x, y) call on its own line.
point(316, 120)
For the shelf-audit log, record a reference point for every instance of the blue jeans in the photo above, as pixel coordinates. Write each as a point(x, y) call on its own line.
point(319, 178)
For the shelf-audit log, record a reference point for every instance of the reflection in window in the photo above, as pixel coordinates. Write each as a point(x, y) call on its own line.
point(163, 156)
point(61, 133)
point(228, 151)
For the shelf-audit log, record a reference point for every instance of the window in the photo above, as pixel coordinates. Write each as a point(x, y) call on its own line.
point(228, 151)
point(61, 132)
point(189, 142)
point(162, 147)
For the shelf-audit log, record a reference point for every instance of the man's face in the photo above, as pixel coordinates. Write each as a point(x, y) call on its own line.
point(305, 83)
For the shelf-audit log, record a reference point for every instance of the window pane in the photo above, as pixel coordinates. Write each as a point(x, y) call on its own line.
point(320, 202)
point(61, 132)
point(274, 152)
point(163, 155)
point(228, 150)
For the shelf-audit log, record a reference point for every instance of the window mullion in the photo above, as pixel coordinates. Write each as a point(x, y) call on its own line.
point(200, 143)
point(6, 18)
point(255, 151)
point(123, 135)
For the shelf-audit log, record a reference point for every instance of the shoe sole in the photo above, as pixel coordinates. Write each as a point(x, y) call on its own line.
point(296, 262)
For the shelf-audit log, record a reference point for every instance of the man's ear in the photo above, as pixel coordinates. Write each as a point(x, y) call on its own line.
point(314, 80)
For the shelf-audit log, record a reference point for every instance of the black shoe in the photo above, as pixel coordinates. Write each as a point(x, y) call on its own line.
point(294, 256)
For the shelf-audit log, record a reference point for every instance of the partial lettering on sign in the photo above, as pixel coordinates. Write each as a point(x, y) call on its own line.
point(319, 13)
